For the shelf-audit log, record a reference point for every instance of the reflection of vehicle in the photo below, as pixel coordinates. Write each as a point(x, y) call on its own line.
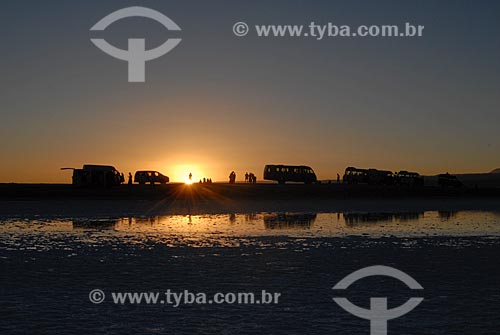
point(412, 179)
point(356, 219)
point(447, 215)
point(143, 177)
point(289, 220)
point(284, 173)
point(96, 175)
point(448, 180)
point(353, 175)
point(94, 223)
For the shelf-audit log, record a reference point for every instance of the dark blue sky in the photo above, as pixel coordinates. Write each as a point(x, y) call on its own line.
point(218, 102)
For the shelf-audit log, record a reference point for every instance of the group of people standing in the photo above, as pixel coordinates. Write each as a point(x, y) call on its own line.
point(250, 178)
point(206, 181)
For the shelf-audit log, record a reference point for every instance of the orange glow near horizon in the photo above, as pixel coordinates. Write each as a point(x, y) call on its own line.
point(209, 113)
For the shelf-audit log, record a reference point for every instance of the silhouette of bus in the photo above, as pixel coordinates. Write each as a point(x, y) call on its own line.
point(143, 177)
point(296, 173)
point(354, 175)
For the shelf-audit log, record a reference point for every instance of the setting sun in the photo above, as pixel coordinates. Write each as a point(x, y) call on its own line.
point(187, 173)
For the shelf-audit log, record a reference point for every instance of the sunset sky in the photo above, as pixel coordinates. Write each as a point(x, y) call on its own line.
point(219, 102)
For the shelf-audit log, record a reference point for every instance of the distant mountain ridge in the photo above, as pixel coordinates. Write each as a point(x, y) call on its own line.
point(496, 171)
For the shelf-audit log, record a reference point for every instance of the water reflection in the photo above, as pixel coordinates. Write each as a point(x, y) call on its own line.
point(447, 215)
point(85, 224)
point(224, 226)
point(288, 221)
point(251, 217)
point(353, 219)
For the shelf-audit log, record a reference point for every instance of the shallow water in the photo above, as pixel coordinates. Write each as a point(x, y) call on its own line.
point(306, 225)
point(49, 266)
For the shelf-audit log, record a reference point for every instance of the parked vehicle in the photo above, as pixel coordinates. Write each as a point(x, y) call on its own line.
point(143, 177)
point(354, 175)
point(411, 179)
point(284, 173)
point(448, 180)
point(96, 176)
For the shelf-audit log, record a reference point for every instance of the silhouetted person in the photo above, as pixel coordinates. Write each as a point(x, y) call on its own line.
point(190, 176)
point(232, 177)
point(129, 178)
point(338, 178)
point(246, 177)
point(251, 178)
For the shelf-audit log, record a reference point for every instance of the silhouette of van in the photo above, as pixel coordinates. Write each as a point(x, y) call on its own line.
point(283, 173)
point(143, 177)
point(448, 180)
point(96, 176)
